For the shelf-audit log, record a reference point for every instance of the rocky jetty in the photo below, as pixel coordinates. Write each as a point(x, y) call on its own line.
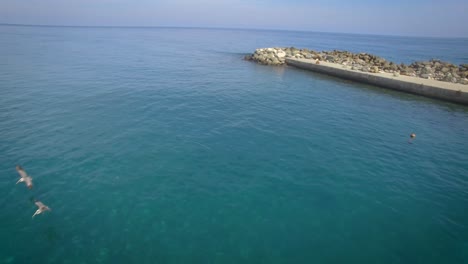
point(433, 69)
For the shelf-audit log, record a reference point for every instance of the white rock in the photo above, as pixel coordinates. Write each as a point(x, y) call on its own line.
point(281, 54)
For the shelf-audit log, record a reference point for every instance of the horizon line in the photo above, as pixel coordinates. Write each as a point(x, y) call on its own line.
point(227, 28)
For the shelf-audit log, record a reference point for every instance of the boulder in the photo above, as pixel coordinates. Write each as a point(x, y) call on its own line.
point(426, 75)
point(445, 70)
point(281, 54)
point(427, 70)
point(448, 77)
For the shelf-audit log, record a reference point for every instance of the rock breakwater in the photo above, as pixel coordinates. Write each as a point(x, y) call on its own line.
point(433, 69)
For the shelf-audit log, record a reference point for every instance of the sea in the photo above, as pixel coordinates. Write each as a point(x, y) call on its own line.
point(163, 145)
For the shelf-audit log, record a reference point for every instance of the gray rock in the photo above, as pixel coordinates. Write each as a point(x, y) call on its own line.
point(448, 77)
point(426, 75)
point(360, 61)
point(393, 67)
point(445, 70)
point(427, 70)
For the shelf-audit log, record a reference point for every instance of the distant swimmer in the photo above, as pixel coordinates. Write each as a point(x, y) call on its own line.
point(24, 177)
point(412, 137)
point(42, 208)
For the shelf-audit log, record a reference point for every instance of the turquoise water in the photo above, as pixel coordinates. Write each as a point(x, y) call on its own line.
point(160, 145)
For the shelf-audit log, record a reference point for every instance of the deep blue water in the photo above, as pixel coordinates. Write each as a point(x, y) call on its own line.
point(161, 145)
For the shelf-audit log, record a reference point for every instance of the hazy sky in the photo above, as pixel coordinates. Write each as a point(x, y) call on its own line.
point(393, 17)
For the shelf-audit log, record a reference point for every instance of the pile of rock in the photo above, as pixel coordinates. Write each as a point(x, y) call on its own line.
point(269, 56)
point(442, 71)
point(277, 56)
point(433, 69)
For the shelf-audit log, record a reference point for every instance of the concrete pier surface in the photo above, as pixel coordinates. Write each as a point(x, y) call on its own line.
point(452, 92)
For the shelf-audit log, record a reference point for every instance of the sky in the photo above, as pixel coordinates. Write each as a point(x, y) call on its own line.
point(434, 18)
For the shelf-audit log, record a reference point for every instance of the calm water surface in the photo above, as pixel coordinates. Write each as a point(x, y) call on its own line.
point(161, 145)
